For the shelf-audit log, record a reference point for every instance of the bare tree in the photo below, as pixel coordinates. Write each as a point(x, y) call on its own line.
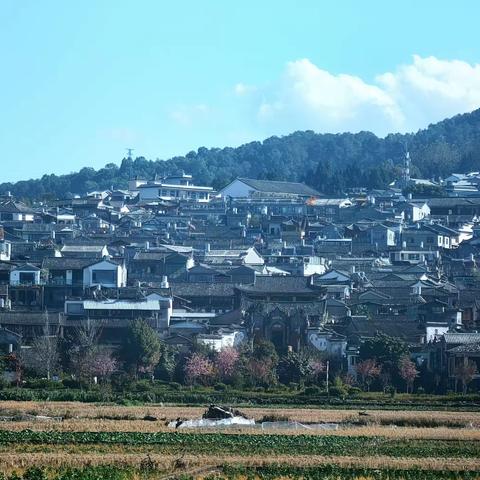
point(43, 357)
point(84, 351)
point(465, 373)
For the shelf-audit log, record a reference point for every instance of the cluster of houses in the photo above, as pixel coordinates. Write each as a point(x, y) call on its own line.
point(273, 259)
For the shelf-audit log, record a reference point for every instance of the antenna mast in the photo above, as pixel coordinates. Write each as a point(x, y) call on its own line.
point(406, 167)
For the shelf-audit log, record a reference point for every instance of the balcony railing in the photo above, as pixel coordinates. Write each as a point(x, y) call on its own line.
point(61, 282)
point(20, 283)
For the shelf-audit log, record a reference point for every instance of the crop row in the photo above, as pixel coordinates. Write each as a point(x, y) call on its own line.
point(334, 472)
point(247, 444)
point(270, 472)
point(183, 397)
point(87, 473)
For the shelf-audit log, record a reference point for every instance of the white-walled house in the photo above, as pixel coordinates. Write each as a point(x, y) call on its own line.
point(417, 211)
point(5, 250)
point(12, 211)
point(221, 340)
point(175, 187)
point(239, 256)
point(249, 187)
point(329, 342)
point(26, 274)
point(105, 273)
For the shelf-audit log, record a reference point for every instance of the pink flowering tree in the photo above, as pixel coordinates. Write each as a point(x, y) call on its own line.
point(465, 373)
point(104, 364)
point(260, 372)
point(199, 369)
point(408, 371)
point(226, 362)
point(317, 368)
point(368, 371)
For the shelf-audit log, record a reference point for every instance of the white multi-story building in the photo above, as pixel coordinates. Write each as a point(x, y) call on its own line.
point(176, 187)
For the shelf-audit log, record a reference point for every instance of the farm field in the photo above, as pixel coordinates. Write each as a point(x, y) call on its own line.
point(106, 441)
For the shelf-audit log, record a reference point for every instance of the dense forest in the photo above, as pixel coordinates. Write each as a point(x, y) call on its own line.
point(327, 162)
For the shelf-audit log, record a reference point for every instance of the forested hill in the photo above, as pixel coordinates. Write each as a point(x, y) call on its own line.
point(328, 162)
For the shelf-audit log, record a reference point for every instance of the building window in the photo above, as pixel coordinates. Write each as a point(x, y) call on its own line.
point(104, 276)
point(27, 278)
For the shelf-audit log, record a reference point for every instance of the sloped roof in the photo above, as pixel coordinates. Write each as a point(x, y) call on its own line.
point(462, 338)
point(11, 206)
point(466, 348)
point(400, 327)
point(228, 318)
point(151, 256)
point(83, 248)
point(202, 289)
point(151, 305)
point(280, 284)
point(27, 267)
point(269, 186)
point(204, 269)
point(65, 263)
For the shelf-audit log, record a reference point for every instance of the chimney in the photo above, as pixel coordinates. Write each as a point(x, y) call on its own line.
point(404, 244)
point(164, 283)
point(147, 245)
point(207, 247)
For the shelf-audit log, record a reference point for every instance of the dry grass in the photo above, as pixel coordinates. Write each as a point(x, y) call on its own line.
point(102, 425)
point(165, 463)
point(307, 415)
point(96, 417)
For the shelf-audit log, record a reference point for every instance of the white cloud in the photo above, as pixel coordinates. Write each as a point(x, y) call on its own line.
point(119, 134)
point(243, 89)
point(431, 89)
point(308, 97)
point(187, 115)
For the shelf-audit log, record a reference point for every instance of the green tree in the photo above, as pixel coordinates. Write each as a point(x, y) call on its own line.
point(384, 349)
point(165, 369)
point(387, 352)
point(294, 367)
point(141, 347)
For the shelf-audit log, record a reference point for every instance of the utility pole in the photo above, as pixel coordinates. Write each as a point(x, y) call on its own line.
point(328, 374)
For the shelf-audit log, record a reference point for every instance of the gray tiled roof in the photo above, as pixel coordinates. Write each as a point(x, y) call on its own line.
point(65, 263)
point(462, 338)
point(466, 348)
point(280, 284)
point(151, 256)
point(202, 289)
point(269, 186)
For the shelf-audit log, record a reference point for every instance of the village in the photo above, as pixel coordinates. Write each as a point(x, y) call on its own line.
point(257, 259)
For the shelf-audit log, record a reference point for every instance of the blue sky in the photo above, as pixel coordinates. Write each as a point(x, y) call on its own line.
point(81, 81)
